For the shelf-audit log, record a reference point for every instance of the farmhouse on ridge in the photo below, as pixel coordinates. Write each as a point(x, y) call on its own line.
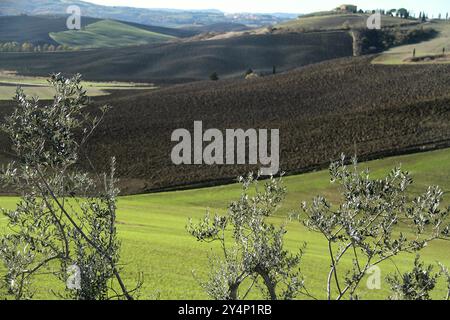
point(349, 8)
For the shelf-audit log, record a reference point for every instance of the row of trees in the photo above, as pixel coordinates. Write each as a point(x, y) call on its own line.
point(423, 16)
point(30, 47)
point(401, 13)
point(406, 14)
point(66, 222)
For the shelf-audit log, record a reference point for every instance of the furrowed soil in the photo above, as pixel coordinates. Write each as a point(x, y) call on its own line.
point(347, 105)
point(187, 61)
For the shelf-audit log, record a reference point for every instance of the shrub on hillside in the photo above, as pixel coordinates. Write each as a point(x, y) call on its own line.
point(372, 41)
point(214, 76)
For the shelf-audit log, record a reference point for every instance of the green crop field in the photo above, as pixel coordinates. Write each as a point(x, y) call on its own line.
point(152, 228)
point(38, 86)
point(399, 55)
point(108, 33)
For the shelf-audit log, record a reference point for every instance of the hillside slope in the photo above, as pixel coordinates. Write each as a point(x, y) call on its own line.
point(34, 29)
point(95, 32)
point(171, 18)
point(338, 22)
point(433, 47)
point(108, 33)
point(194, 60)
point(174, 32)
point(220, 27)
point(346, 105)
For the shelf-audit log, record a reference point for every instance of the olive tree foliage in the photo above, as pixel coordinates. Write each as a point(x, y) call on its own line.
point(65, 220)
point(363, 226)
point(416, 284)
point(252, 249)
point(446, 274)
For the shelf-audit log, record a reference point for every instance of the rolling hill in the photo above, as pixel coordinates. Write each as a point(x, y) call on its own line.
point(34, 29)
point(220, 27)
point(52, 30)
point(190, 60)
point(431, 48)
point(323, 100)
point(333, 21)
point(394, 29)
point(174, 32)
point(346, 105)
point(108, 33)
point(159, 17)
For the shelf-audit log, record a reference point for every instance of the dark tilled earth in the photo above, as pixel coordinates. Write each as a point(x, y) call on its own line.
point(322, 110)
point(187, 61)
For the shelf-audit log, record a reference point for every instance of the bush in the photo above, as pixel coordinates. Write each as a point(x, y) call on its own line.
point(214, 76)
point(371, 41)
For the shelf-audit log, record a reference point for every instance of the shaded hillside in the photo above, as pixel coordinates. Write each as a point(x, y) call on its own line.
point(37, 29)
point(321, 110)
point(188, 60)
point(34, 29)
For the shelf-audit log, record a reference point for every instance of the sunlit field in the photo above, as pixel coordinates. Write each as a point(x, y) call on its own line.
point(155, 243)
point(38, 86)
point(433, 47)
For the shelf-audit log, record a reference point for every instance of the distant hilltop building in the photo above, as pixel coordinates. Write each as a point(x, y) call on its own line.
point(349, 8)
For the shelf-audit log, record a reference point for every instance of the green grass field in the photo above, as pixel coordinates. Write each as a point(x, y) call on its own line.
point(152, 228)
point(38, 86)
point(433, 47)
point(108, 33)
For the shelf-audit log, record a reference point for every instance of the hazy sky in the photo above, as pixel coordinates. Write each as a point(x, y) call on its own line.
point(294, 6)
